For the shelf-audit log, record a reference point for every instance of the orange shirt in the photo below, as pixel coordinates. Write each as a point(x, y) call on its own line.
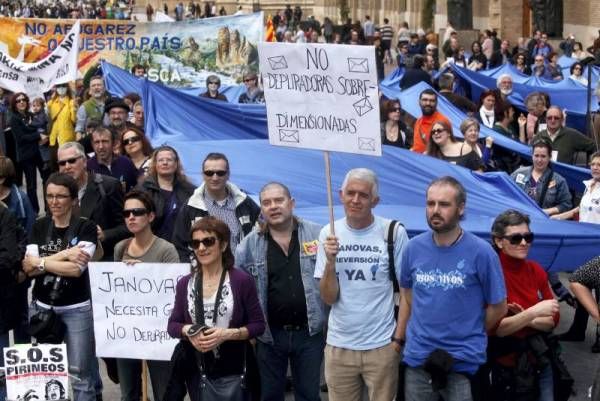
point(422, 130)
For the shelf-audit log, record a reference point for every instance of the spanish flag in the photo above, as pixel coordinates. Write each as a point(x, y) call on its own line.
point(270, 30)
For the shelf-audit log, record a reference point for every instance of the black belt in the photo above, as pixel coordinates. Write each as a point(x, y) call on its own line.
point(292, 327)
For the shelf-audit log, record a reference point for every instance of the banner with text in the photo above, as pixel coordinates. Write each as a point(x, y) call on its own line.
point(321, 96)
point(35, 78)
point(179, 54)
point(132, 304)
point(36, 372)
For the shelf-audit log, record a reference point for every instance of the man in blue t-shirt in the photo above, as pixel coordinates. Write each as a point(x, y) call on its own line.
point(354, 272)
point(452, 291)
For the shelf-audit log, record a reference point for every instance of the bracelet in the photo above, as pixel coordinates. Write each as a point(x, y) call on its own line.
point(399, 341)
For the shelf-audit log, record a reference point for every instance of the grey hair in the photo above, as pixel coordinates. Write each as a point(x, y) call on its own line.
point(363, 174)
point(73, 145)
point(501, 77)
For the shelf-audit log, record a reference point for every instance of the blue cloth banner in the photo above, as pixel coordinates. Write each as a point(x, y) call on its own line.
point(196, 126)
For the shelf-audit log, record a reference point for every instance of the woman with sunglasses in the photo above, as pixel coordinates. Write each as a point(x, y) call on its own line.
point(577, 73)
point(520, 63)
point(443, 145)
point(393, 130)
point(213, 83)
point(546, 187)
point(532, 311)
point(136, 146)
point(216, 311)
point(144, 247)
point(27, 138)
point(168, 187)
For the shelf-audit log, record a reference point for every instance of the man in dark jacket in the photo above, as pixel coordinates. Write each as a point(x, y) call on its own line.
point(421, 72)
point(100, 197)
point(215, 197)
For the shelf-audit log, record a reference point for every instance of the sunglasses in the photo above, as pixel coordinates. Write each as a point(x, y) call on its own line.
point(131, 140)
point(398, 109)
point(437, 131)
point(248, 80)
point(207, 242)
point(516, 239)
point(213, 83)
point(137, 212)
point(210, 173)
point(553, 118)
point(21, 100)
point(63, 163)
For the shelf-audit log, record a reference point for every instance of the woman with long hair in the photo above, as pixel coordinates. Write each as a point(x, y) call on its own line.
point(485, 106)
point(443, 145)
point(393, 130)
point(168, 187)
point(27, 139)
point(136, 146)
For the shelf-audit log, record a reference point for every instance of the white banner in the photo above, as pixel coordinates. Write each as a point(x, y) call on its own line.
point(132, 305)
point(37, 372)
point(321, 96)
point(58, 67)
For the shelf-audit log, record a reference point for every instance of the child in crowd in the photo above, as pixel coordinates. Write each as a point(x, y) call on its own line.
point(40, 121)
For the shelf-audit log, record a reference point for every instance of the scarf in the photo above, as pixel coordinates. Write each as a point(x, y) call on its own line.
point(487, 117)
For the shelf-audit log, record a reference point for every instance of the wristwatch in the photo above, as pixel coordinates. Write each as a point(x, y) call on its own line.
point(399, 341)
point(42, 265)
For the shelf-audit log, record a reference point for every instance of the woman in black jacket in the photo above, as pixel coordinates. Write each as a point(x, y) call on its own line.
point(27, 139)
point(169, 188)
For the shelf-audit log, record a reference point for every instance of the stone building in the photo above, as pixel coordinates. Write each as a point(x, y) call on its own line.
point(511, 18)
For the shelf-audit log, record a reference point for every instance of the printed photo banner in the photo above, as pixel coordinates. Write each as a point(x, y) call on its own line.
point(321, 96)
point(38, 76)
point(37, 372)
point(132, 305)
point(178, 54)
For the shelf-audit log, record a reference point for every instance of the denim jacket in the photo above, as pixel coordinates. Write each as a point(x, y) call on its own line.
point(251, 256)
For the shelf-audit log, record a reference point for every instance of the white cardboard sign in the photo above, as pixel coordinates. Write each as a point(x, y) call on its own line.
point(132, 305)
point(321, 96)
point(39, 372)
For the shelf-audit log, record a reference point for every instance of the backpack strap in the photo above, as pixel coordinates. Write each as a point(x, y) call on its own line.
point(392, 234)
point(544, 190)
point(100, 182)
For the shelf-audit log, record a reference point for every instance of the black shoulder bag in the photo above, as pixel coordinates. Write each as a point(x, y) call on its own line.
point(230, 387)
point(45, 325)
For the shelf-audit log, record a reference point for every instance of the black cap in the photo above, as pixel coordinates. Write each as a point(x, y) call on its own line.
point(116, 102)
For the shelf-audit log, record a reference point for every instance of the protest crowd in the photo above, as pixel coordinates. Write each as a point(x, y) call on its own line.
point(442, 314)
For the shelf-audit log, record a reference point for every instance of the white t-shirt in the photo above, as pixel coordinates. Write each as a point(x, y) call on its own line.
point(363, 316)
point(589, 207)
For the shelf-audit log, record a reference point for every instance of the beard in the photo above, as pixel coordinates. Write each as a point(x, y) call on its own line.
point(506, 92)
point(443, 225)
point(427, 110)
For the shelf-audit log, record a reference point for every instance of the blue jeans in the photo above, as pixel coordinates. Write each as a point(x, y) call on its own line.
point(417, 387)
point(130, 378)
point(79, 337)
point(305, 354)
point(546, 384)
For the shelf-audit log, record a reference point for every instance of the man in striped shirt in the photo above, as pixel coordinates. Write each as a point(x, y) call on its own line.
point(387, 35)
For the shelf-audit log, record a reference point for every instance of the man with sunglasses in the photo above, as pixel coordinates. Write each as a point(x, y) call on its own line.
point(213, 83)
point(280, 255)
point(253, 94)
point(100, 196)
point(566, 142)
point(219, 198)
point(452, 292)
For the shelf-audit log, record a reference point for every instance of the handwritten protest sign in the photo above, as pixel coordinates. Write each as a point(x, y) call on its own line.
point(36, 372)
point(321, 96)
point(132, 305)
point(57, 67)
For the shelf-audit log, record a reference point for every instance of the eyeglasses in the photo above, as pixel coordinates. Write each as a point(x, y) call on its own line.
point(219, 173)
point(539, 60)
point(131, 140)
point(207, 242)
point(73, 160)
point(437, 131)
point(576, 68)
point(398, 109)
point(137, 212)
point(57, 197)
point(21, 100)
point(516, 239)
point(553, 118)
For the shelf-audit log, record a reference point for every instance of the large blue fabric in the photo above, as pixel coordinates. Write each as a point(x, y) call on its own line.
point(196, 126)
